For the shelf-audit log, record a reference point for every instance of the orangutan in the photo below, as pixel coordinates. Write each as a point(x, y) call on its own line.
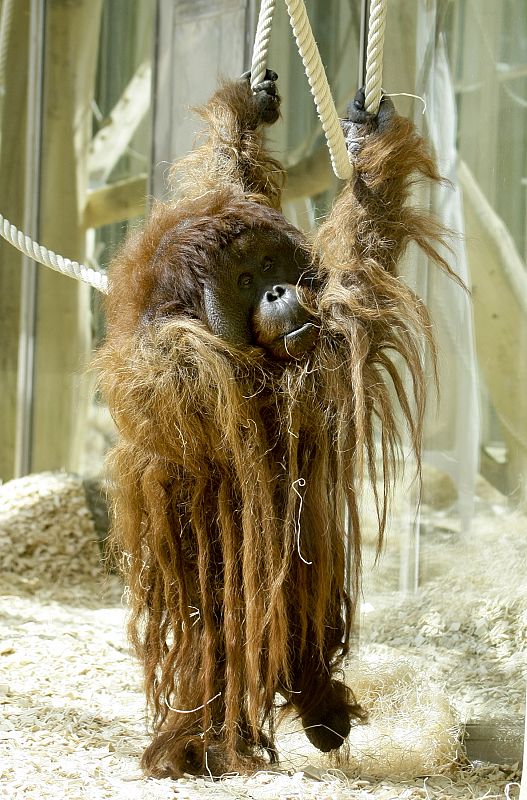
point(251, 372)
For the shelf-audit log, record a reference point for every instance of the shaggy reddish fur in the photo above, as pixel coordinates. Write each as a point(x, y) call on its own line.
point(233, 472)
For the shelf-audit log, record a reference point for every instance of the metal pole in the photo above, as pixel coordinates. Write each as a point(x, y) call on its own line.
point(251, 21)
point(363, 43)
point(28, 288)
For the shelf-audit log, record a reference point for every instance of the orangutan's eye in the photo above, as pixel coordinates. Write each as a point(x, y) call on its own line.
point(245, 280)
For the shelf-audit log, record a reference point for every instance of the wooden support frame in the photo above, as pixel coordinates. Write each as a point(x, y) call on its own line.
point(116, 202)
point(109, 144)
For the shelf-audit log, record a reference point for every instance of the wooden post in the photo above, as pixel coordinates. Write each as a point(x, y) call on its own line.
point(12, 161)
point(63, 310)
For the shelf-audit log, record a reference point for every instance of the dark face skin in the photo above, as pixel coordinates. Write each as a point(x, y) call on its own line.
point(255, 298)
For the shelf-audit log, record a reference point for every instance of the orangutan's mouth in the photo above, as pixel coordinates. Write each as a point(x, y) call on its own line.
point(301, 340)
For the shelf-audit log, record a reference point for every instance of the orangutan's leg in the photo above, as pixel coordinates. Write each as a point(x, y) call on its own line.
point(326, 712)
point(326, 706)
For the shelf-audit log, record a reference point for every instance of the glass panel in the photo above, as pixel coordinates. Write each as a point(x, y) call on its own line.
point(198, 42)
point(120, 151)
point(444, 598)
point(447, 598)
point(466, 620)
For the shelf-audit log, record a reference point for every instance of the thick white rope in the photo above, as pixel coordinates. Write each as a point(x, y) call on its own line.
point(261, 42)
point(320, 90)
point(374, 54)
point(50, 259)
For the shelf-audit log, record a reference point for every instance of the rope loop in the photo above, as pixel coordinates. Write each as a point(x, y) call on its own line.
point(48, 258)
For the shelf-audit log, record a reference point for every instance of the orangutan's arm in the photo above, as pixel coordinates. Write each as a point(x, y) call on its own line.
point(233, 154)
point(371, 220)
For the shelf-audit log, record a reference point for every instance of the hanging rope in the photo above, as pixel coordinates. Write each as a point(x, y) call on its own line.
point(374, 54)
point(261, 42)
point(50, 259)
point(316, 74)
point(320, 90)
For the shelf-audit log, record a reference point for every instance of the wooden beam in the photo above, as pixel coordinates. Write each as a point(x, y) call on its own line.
point(499, 291)
point(109, 144)
point(116, 202)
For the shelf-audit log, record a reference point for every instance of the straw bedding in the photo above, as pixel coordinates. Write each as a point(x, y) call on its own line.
point(72, 718)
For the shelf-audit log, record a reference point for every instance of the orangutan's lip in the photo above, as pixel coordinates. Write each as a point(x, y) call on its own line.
point(301, 339)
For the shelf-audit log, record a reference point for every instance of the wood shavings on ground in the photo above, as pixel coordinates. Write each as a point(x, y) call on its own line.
point(470, 616)
point(46, 530)
point(72, 721)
